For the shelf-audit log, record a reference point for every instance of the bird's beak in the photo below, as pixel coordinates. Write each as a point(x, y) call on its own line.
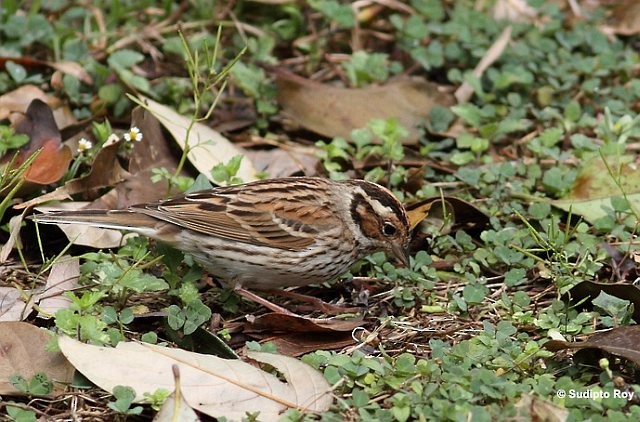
point(401, 254)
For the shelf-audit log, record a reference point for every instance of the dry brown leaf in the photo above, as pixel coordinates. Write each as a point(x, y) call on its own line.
point(281, 162)
point(620, 341)
point(105, 171)
point(625, 19)
point(465, 91)
point(176, 408)
point(53, 160)
point(14, 232)
point(335, 111)
point(23, 352)
point(445, 211)
point(514, 11)
point(215, 386)
point(12, 305)
point(152, 152)
point(18, 100)
point(74, 69)
point(532, 408)
point(298, 344)
point(207, 146)
point(64, 276)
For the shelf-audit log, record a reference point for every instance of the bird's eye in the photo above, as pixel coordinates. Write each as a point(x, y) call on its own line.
point(388, 229)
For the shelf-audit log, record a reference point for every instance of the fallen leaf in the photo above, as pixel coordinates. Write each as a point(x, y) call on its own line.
point(298, 344)
point(23, 352)
point(74, 69)
point(176, 408)
point(595, 186)
point(446, 213)
point(625, 18)
point(105, 171)
point(71, 68)
point(294, 335)
point(12, 305)
point(620, 341)
point(152, 152)
point(207, 147)
point(284, 162)
point(215, 386)
point(63, 276)
point(514, 11)
point(53, 160)
point(584, 292)
point(18, 100)
point(15, 223)
point(335, 111)
point(533, 408)
point(465, 91)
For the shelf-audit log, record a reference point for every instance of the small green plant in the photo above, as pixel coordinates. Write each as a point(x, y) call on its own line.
point(38, 385)
point(341, 14)
point(364, 68)
point(157, 398)
point(81, 319)
point(19, 413)
point(11, 180)
point(189, 317)
point(226, 173)
point(10, 140)
point(124, 399)
point(381, 138)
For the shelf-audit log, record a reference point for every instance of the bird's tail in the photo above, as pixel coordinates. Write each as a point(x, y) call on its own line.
point(114, 219)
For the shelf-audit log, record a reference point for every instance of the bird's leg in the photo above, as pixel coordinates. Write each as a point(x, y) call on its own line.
point(319, 304)
point(262, 301)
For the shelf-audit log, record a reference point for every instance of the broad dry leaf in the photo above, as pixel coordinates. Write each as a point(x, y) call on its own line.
point(18, 100)
point(465, 91)
point(620, 341)
point(335, 111)
point(105, 171)
point(625, 18)
point(12, 305)
point(534, 408)
point(215, 386)
point(514, 11)
point(54, 157)
point(15, 223)
point(64, 276)
point(598, 183)
point(176, 408)
point(23, 352)
point(285, 161)
point(74, 69)
point(207, 146)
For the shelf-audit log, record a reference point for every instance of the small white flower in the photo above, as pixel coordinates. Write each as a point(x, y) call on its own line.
point(84, 145)
point(134, 134)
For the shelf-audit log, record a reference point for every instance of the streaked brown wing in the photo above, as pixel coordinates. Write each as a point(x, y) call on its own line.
point(263, 218)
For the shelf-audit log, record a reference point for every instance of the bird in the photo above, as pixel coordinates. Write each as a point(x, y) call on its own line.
point(268, 234)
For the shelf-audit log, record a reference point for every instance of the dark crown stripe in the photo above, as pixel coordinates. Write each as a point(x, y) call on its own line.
point(386, 200)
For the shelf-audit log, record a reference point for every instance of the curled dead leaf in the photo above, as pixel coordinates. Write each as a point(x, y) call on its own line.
point(335, 111)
